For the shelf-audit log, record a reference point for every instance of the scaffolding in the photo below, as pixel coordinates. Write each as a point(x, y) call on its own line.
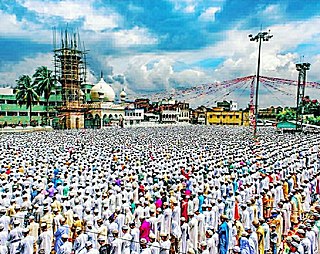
point(70, 71)
point(70, 67)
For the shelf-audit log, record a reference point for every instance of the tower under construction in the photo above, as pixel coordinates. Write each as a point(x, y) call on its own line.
point(70, 72)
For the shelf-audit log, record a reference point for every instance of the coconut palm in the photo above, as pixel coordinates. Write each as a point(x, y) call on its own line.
point(44, 81)
point(26, 93)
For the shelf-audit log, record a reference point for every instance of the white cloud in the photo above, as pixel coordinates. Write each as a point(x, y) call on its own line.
point(11, 72)
point(71, 10)
point(274, 12)
point(12, 27)
point(189, 77)
point(150, 72)
point(100, 22)
point(67, 9)
point(209, 14)
point(278, 58)
point(9, 23)
point(134, 36)
point(313, 73)
point(140, 77)
point(189, 8)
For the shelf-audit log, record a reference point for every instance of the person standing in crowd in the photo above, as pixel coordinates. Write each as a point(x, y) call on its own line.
point(159, 191)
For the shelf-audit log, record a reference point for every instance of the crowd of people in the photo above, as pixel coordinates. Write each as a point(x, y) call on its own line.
point(161, 190)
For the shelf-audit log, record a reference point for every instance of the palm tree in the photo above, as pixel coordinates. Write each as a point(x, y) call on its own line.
point(44, 81)
point(26, 93)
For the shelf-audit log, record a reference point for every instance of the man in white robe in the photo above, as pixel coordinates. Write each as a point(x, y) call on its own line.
point(116, 244)
point(153, 244)
point(193, 230)
point(212, 241)
point(134, 232)
point(45, 239)
point(14, 237)
point(66, 247)
point(185, 232)
point(126, 240)
point(26, 245)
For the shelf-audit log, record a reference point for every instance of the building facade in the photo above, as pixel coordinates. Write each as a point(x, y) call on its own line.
point(14, 115)
point(218, 116)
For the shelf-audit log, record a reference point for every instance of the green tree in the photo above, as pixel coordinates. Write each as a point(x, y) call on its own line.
point(310, 106)
point(26, 93)
point(286, 115)
point(314, 120)
point(45, 83)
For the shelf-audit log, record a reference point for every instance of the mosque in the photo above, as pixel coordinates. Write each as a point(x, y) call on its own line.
point(85, 105)
point(102, 110)
point(76, 104)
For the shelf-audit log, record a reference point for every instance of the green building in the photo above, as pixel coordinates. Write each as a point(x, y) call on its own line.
point(12, 114)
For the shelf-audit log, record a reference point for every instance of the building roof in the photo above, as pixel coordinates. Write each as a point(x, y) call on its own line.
point(286, 125)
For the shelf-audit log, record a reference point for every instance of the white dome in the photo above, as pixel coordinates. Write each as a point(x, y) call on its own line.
point(102, 89)
point(123, 94)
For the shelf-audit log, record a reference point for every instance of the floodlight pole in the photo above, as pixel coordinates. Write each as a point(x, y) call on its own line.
point(302, 78)
point(261, 36)
point(257, 92)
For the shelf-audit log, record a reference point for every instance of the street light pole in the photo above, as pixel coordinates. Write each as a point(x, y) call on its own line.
point(261, 36)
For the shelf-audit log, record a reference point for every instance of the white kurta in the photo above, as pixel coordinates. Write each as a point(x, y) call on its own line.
point(193, 232)
point(45, 241)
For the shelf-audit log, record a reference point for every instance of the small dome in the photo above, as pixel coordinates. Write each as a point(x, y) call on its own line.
point(123, 94)
point(102, 89)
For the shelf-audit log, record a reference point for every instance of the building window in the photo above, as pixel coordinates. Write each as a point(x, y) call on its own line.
point(12, 113)
point(218, 116)
point(2, 113)
point(230, 117)
point(211, 116)
point(23, 113)
point(223, 117)
point(237, 116)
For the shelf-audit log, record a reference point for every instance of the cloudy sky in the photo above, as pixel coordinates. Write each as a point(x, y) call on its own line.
point(147, 45)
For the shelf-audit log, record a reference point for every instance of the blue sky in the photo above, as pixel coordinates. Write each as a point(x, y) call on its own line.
point(160, 45)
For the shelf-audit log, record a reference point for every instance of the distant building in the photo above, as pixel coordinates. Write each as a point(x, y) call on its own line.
point(143, 103)
point(183, 112)
point(269, 113)
point(198, 116)
point(227, 105)
point(133, 116)
point(227, 113)
point(218, 116)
